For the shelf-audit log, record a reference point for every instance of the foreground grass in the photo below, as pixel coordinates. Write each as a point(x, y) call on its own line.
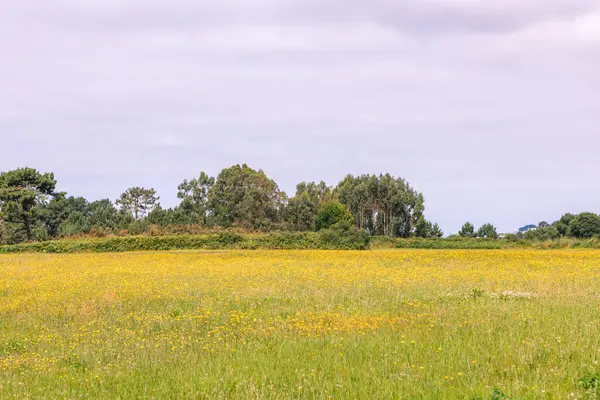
point(300, 324)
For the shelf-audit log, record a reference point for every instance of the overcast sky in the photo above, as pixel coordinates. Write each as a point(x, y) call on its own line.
point(491, 108)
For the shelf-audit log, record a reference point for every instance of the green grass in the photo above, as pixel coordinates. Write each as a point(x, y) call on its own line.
point(410, 324)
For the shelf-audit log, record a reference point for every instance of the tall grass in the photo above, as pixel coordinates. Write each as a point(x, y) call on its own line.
point(409, 324)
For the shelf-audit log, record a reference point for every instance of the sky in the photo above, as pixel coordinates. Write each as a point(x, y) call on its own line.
point(490, 108)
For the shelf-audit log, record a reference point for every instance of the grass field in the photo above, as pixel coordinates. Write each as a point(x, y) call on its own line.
point(301, 324)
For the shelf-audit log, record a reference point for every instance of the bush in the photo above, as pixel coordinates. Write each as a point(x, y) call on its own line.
point(543, 234)
point(454, 243)
point(331, 213)
point(338, 237)
point(344, 235)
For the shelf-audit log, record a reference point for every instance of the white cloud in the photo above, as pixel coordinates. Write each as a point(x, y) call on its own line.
point(452, 95)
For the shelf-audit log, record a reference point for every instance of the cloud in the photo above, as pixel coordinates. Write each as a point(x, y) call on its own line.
point(467, 100)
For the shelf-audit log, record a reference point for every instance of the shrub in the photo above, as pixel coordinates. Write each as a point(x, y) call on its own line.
point(331, 213)
point(543, 234)
point(591, 383)
point(454, 243)
point(344, 235)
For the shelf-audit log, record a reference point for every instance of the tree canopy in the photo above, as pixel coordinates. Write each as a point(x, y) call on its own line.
point(239, 197)
point(22, 192)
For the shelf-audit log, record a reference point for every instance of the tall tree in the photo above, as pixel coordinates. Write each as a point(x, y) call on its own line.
point(487, 231)
point(60, 209)
point(585, 225)
point(138, 202)
point(563, 224)
point(382, 204)
point(22, 191)
point(103, 214)
point(436, 231)
point(319, 193)
point(246, 198)
point(194, 196)
point(423, 228)
point(467, 230)
point(300, 213)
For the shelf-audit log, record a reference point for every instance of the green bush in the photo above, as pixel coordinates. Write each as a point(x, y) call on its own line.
point(334, 238)
point(454, 243)
point(343, 235)
point(332, 213)
point(543, 234)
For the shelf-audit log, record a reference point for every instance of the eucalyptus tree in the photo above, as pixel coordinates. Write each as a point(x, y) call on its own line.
point(244, 197)
point(382, 204)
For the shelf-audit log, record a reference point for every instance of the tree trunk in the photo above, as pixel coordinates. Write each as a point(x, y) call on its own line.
point(27, 223)
point(3, 238)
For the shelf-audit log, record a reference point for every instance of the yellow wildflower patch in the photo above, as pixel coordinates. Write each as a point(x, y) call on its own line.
point(297, 324)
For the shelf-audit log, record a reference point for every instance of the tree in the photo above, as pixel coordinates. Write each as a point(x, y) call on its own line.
point(22, 191)
point(418, 214)
point(382, 204)
point(543, 234)
point(543, 224)
point(487, 231)
point(318, 193)
point(244, 197)
point(138, 202)
point(60, 209)
point(427, 229)
point(467, 230)
point(103, 214)
point(563, 224)
point(423, 228)
point(585, 225)
point(300, 213)
point(436, 231)
point(194, 195)
point(332, 213)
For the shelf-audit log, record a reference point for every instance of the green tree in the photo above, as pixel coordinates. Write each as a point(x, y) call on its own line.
point(62, 208)
point(467, 230)
point(487, 231)
point(585, 225)
point(563, 224)
point(103, 214)
point(543, 234)
point(423, 228)
point(300, 213)
point(138, 202)
point(244, 197)
point(382, 204)
point(194, 195)
point(332, 213)
point(418, 212)
point(22, 192)
point(436, 231)
point(318, 193)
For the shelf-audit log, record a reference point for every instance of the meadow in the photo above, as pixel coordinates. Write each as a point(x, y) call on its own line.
point(407, 324)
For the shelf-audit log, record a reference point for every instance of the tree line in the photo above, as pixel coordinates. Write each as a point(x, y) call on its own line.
point(31, 208)
point(583, 226)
